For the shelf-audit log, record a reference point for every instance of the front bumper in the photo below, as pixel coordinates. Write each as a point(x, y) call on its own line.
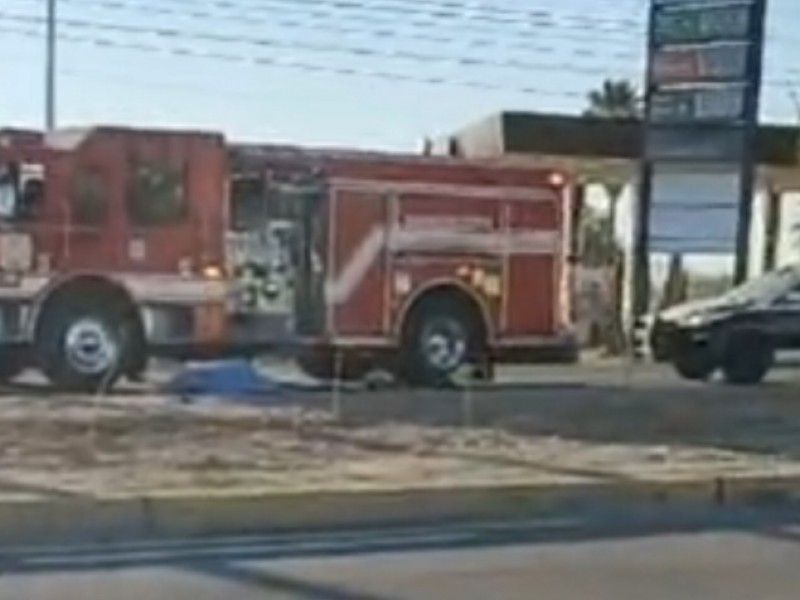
point(661, 340)
point(669, 339)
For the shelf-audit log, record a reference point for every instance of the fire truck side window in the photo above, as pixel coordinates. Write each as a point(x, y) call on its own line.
point(90, 198)
point(157, 196)
point(248, 210)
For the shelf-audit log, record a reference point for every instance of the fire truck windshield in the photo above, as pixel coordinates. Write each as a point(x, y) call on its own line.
point(21, 191)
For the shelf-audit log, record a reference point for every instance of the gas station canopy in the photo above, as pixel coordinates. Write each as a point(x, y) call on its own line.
point(601, 150)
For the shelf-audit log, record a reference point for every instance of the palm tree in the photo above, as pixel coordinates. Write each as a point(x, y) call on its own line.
point(616, 99)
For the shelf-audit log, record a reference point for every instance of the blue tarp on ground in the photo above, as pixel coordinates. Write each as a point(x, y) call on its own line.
point(235, 378)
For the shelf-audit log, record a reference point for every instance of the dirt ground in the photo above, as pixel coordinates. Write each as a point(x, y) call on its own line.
point(147, 443)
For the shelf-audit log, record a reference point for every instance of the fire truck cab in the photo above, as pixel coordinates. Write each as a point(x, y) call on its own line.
point(110, 250)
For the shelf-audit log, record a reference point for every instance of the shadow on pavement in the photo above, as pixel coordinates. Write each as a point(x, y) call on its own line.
point(34, 390)
point(8, 486)
point(268, 582)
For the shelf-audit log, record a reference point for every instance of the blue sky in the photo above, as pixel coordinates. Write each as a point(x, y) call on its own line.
point(571, 46)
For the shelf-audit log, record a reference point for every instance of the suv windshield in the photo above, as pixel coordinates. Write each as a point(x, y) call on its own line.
point(766, 287)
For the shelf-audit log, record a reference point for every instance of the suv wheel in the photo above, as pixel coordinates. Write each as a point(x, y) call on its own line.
point(695, 365)
point(747, 360)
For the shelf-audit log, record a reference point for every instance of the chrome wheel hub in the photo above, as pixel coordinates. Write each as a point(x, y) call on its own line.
point(91, 348)
point(445, 346)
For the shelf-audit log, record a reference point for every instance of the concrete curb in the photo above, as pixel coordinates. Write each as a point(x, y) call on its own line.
point(198, 514)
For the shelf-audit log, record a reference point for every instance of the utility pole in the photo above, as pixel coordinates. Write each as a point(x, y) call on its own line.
point(795, 99)
point(50, 67)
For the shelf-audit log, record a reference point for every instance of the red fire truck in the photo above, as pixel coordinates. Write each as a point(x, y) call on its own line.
point(117, 245)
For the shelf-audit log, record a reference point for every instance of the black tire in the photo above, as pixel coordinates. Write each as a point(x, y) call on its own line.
point(747, 360)
point(659, 346)
point(440, 337)
point(137, 354)
point(12, 364)
point(62, 366)
point(695, 364)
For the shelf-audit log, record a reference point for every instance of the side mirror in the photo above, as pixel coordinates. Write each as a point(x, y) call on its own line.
point(31, 199)
point(9, 189)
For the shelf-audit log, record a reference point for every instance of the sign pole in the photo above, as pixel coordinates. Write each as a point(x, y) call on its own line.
point(750, 155)
point(640, 304)
point(641, 248)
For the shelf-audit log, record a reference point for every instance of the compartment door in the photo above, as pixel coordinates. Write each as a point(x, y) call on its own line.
point(532, 287)
point(357, 283)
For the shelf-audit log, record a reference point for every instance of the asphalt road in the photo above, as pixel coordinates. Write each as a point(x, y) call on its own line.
point(713, 558)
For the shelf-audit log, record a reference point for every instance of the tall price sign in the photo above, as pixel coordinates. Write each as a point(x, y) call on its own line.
point(701, 120)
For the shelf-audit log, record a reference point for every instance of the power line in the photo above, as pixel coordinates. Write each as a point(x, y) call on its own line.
point(358, 51)
point(228, 57)
point(389, 29)
point(377, 15)
point(384, 32)
point(440, 10)
point(366, 17)
point(217, 38)
point(486, 10)
point(355, 11)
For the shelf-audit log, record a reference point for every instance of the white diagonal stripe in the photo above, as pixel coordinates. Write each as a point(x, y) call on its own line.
point(351, 275)
point(341, 287)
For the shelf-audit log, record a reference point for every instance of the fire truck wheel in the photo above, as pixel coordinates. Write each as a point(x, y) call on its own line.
point(82, 347)
point(441, 337)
